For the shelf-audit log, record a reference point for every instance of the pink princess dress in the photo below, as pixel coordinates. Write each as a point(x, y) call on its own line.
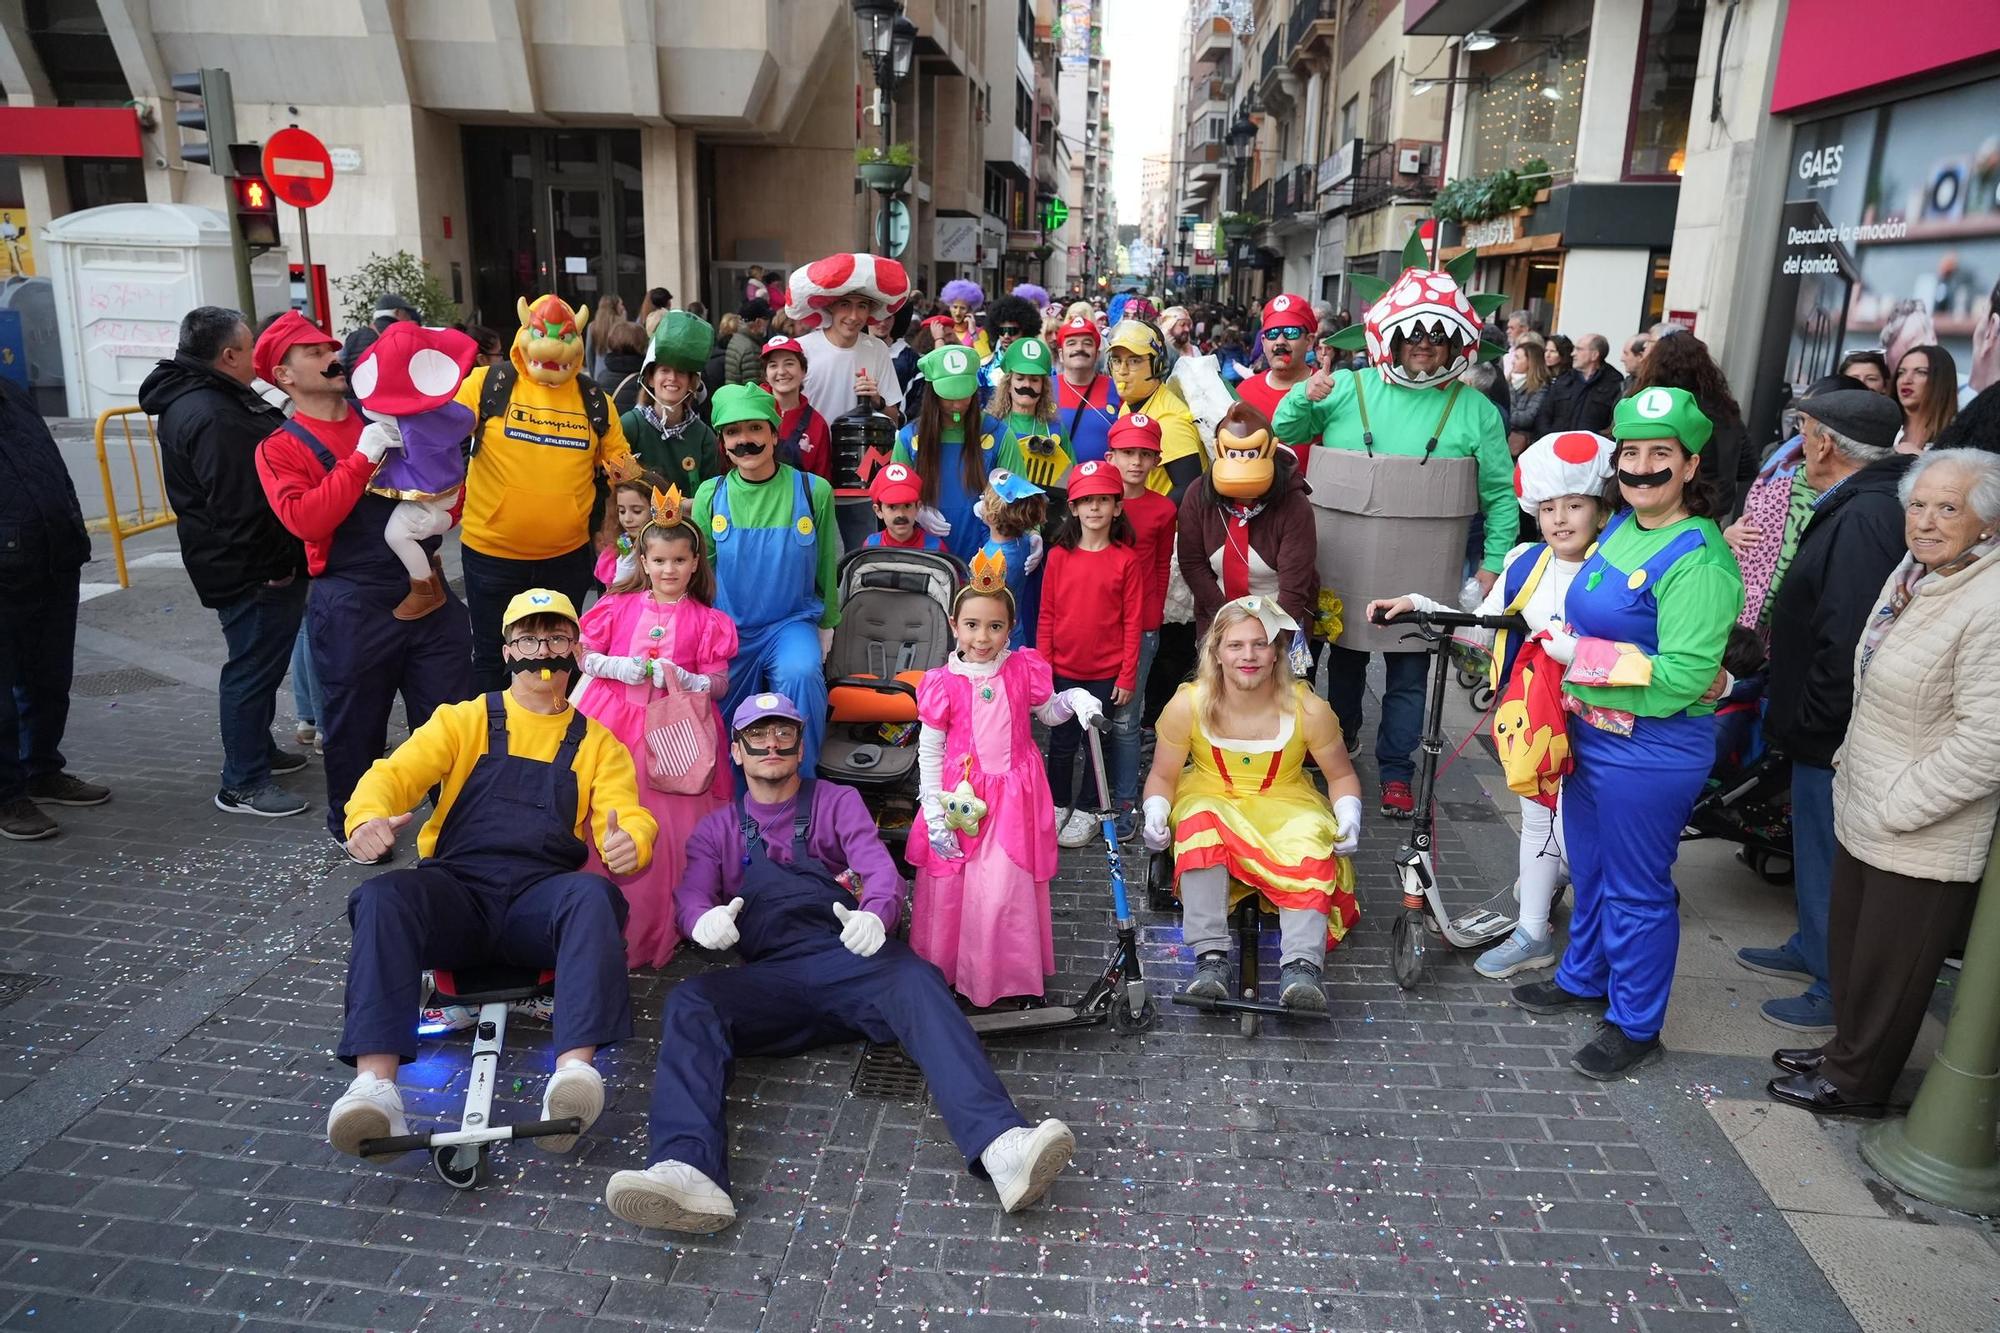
point(983, 919)
point(696, 638)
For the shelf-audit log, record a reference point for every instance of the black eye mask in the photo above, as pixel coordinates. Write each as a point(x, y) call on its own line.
point(1659, 478)
point(567, 662)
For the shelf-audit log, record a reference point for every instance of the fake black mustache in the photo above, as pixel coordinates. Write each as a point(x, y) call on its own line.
point(567, 662)
point(746, 449)
point(1644, 478)
point(334, 370)
point(763, 752)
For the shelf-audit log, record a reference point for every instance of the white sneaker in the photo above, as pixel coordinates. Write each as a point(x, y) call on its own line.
point(1079, 830)
point(672, 1196)
point(542, 1008)
point(371, 1108)
point(577, 1089)
point(1024, 1162)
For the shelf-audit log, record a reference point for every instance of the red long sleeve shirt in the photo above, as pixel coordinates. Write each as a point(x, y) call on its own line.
point(1086, 595)
point(815, 440)
point(310, 501)
point(1153, 516)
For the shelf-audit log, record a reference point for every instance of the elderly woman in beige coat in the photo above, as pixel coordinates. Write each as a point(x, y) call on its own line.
point(1916, 785)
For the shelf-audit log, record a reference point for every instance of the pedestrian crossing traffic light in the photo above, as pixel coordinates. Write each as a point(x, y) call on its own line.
point(256, 212)
point(213, 113)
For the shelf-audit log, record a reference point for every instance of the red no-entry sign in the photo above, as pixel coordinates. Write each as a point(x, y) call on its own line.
point(298, 168)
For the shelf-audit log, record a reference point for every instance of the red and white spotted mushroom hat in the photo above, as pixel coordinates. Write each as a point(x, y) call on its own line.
point(814, 288)
point(1568, 462)
point(411, 369)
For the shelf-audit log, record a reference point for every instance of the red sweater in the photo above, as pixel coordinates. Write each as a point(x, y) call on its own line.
point(1260, 393)
point(1084, 595)
point(1153, 516)
point(815, 441)
point(310, 501)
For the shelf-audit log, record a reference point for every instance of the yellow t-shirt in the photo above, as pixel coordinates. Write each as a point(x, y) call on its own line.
point(442, 751)
point(529, 488)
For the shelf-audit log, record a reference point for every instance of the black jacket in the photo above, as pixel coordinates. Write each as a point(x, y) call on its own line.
point(621, 380)
point(1729, 464)
point(1853, 540)
point(41, 526)
point(1576, 403)
point(210, 427)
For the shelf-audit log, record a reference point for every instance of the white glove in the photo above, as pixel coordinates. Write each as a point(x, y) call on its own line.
point(628, 670)
point(860, 930)
point(716, 928)
point(1346, 825)
point(1158, 836)
point(1083, 706)
point(1561, 645)
point(692, 681)
point(931, 521)
point(944, 841)
point(377, 439)
point(1034, 560)
point(979, 509)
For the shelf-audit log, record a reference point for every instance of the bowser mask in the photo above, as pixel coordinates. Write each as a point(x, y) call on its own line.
point(549, 346)
point(1243, 467)
point(1137, 375)
point(1423, 307)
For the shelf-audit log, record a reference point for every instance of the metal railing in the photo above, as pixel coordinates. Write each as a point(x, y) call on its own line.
point(1376, 179)
point(1304, 14)
point(1273, 49)
point(162, 513)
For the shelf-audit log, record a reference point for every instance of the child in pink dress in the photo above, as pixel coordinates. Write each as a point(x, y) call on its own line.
point(983, 866)
point(630, 510)
point(658, 620)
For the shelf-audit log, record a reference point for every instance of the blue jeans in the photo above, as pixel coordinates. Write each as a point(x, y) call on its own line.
point(305, 680)
point(259, 628)
point(1125, 729)
point(1812, 870)
point(1402, 704)
point(37, 659)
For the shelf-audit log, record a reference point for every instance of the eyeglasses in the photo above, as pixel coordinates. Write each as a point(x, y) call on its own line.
point(1009, 330)
point(555, 643)
point(1288, 332)
point(1425, 338)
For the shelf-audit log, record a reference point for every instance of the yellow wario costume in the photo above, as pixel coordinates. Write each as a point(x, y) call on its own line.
point(1141, 389)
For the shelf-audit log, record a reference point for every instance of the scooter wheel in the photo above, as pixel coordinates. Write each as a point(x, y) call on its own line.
point(446, 1161)
point(1482, 697)
point(1124, 1020)
point(1771, 867)
point(1406, 950)
point(1469, 679)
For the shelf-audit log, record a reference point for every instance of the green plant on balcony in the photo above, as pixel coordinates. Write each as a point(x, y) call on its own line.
point(896, 154)
point(1240, 224)
point(884, 169)
point(1478, 198)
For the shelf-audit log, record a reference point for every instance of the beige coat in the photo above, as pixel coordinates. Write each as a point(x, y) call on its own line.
point(1917, 781)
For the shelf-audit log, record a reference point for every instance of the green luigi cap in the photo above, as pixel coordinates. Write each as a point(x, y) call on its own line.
point(1025, 356)
point(1661, 413)
point(742, 402)
point(682, 341)
point(952, 371)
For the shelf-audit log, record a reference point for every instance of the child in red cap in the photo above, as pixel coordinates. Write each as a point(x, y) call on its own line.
point(895, 493)
point(1134, 453)
point(803, 438)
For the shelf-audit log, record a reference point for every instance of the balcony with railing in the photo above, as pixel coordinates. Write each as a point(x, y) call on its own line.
point(1380, 176)
point(1312, 22)
point(1213, 31)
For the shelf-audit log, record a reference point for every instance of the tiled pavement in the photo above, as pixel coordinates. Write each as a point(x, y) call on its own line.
point(1419, 1161)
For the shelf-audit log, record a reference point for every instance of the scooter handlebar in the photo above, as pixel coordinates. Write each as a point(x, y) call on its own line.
point(1442, 619)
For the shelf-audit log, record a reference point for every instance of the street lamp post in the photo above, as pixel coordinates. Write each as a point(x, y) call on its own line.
point(888, 44)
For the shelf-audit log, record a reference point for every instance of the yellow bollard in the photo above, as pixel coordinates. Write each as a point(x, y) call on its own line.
point(163, 513)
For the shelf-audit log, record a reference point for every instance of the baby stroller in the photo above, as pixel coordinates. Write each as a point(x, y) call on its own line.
point(1748, 799)
point(895, 624)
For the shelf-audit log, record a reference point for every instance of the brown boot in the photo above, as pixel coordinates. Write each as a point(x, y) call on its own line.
point(426, 596)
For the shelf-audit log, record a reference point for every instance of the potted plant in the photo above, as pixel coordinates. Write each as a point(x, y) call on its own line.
point(1044, 250)
point(885, 169)
point(1236, 225)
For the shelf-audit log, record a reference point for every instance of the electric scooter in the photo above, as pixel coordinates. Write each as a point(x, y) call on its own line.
point(1424, 913)
point(1118, 995)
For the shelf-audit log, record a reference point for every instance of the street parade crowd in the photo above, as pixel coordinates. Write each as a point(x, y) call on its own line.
point(637, 726)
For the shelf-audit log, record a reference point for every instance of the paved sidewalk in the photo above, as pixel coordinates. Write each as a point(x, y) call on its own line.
point(1419, 1161)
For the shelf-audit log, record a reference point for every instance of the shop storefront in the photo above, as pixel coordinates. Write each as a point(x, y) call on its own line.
point(1890, 237)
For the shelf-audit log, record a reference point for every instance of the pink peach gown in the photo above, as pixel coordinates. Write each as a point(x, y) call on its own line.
point(983, 919)
point(696, 638)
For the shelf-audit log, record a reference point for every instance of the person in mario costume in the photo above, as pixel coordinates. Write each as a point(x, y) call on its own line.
point(1289, 328)
point(318, 471)
point(896, 494)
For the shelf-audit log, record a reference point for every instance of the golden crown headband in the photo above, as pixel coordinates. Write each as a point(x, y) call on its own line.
point(989, 579)
point(669, 507)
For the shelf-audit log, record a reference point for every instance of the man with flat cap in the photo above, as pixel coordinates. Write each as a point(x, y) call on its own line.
point(1846, 550)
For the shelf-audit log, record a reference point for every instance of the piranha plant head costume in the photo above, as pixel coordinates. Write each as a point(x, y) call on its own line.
point(550, 341)
point(1422, 302)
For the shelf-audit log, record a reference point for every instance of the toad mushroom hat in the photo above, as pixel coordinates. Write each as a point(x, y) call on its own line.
point(410, 369)
point(883, 283)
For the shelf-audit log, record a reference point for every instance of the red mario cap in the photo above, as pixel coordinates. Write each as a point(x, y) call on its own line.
point(287, 331)
point(1135, 430)
point(772, 346)
point(1094, 478)
point(895, 484)
point(1289, 310)
point(1080, 327)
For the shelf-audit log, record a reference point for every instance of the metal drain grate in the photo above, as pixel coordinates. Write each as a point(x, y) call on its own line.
point(13, 985)
point(887, 1073)
point(1470, 812)
point(125, 680)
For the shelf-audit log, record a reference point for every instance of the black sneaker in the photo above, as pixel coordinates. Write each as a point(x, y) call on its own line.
point(1611, 1054)
point(266, 801)
point(1211, 977)
point(1546, 997)
point(287, 761)
point(1298, 987)
point(62, 789)
point(24, 821)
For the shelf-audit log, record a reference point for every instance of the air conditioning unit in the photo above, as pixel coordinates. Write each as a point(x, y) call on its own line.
point(1409, 161)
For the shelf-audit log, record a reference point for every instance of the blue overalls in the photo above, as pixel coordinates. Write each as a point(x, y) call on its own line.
point(1623, 809)
point(968, 533)
point(803, 989)
point(501, 886)
point(363, 655)
point(767, 581)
